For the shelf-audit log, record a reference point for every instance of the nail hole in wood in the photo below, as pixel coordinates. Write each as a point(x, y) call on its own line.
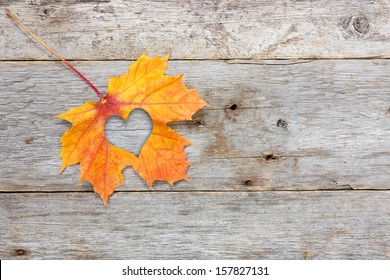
point(233, 107)
point(269, 155)
point(248, 183)
point(198, 122)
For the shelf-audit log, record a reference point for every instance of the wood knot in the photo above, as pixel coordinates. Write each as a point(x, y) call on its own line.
point(282, 123)
point(20, 252)
point(29, 140)
point(361, 25)
point(48, 12)
point(355, 26)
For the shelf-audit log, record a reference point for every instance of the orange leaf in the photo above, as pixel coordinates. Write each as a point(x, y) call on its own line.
point(162, 157)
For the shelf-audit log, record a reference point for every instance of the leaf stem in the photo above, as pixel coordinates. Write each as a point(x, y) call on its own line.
point(11, 15)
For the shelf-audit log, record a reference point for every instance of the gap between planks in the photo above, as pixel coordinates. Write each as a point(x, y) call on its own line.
point(346, 189)
point(235, 60)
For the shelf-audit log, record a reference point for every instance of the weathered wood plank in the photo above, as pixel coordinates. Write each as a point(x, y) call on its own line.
point(223, 29)
point(336, 136)
point(260, 225)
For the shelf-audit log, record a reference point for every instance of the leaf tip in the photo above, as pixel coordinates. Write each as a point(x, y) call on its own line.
point(63, 167)
point(60, 116)
point(150, 183)
point(104, 196)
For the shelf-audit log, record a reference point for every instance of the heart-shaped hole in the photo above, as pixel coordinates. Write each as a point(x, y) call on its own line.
point(130, 135)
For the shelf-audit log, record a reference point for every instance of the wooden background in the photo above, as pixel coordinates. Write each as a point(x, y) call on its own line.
point(290, 161)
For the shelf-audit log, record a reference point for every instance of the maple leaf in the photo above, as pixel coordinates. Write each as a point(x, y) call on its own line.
point(162, 157)
point(145, 86)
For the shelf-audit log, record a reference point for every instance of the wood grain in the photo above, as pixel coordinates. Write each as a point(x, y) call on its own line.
point(223, 29)
point(290, 161)
point(258, 225)
point(300, 126)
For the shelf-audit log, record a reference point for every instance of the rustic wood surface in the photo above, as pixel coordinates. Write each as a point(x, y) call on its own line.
point(237, 225)
point(290, 161)
point(336, 131)
point(217, 29)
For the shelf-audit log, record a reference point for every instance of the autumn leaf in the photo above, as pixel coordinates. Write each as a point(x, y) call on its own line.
point(144, 86)
point(162, 157)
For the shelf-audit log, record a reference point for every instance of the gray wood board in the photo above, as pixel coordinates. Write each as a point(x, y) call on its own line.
point(257, 225)
point(336, 136)
point(225, 29)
